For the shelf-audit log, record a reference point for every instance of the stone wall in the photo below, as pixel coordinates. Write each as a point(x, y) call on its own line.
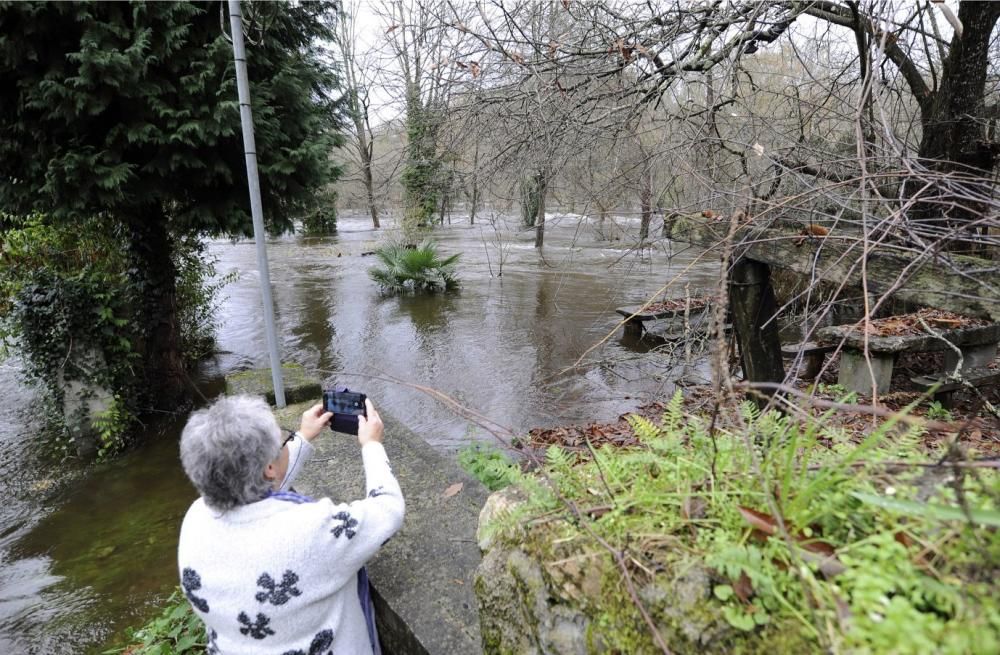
point(541, 593)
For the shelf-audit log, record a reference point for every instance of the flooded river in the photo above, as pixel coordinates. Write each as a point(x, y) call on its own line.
point(85, 552)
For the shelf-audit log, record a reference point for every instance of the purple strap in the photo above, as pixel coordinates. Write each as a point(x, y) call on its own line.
point(365, 596)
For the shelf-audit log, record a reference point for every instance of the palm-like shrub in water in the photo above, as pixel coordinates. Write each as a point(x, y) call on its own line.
point(420, 269)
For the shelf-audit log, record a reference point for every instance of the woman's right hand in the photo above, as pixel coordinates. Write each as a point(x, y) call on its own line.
point(370, 429)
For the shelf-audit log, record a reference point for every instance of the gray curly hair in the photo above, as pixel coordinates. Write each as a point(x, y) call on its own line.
point(225, 448)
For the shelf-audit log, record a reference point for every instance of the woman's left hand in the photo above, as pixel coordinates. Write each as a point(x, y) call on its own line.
point(314, 420)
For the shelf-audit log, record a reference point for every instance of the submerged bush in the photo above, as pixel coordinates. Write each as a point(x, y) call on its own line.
point(799, 534)
point(418, 268)
point(199, 294)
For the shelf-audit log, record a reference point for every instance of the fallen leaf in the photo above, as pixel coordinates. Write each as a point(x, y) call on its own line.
point(453, 489)
point(763, 522)
point(743, 588)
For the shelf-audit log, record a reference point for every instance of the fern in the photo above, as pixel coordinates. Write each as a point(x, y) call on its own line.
point(644, 429)
point(673, 413)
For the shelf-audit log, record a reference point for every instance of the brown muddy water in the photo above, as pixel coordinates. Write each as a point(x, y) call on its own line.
point(87, 551)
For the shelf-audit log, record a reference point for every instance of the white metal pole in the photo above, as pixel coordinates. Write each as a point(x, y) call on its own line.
point(250, 149)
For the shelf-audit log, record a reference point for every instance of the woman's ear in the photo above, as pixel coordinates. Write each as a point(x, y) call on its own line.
point(271, 472)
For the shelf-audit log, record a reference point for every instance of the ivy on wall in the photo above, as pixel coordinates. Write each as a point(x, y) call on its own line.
point(68, 308)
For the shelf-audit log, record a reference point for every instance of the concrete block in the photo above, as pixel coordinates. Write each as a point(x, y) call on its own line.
point(300, 385)
point(423, 577)
point(84, 401)
point(855, 376)
point(973, 357)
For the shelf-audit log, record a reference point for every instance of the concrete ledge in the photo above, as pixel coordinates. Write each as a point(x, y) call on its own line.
point(300, 386)
point(422, 578)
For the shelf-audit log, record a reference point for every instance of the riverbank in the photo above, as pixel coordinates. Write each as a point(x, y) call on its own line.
point(522, 329)
point(746, 533)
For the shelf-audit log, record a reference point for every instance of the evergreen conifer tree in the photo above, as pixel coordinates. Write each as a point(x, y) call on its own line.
point(130, 110)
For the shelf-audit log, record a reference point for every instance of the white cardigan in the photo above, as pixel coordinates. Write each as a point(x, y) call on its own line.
point(279, 576)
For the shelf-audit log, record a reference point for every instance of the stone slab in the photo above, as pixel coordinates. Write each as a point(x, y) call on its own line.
point(423, 577)
point(300, 385)
point(973, 336)
point(633, 313)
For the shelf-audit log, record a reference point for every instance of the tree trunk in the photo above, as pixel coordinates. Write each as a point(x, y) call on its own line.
point(752, 303)
point(150, 247)
point(370, 184)
point(540, 218)
point(645, 203)
point(954, 139)
point(444, 208)
point(529, 199)
point(475, 185)
point(475, 202)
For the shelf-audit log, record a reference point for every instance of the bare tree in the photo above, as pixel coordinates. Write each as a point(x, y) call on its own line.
point(357, 79)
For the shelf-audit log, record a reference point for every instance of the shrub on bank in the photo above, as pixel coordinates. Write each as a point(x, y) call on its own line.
point(68, 308)
point(419, 268)
point(785, 537)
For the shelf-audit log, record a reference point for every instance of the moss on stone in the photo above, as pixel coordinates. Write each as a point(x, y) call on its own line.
point(300, 386)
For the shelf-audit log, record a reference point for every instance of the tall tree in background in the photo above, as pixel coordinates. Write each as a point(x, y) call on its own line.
point(357, 80)
point(423, 50)
point(130, 110)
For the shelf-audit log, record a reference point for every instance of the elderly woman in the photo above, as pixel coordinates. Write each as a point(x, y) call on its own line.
point(266, 569)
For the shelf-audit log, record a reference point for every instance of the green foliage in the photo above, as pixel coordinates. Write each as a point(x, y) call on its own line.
point(112, 426)
point(122, 107)
point(321, 216)
point(417, 269)
point(421, 176)
point(938, 412)
point(199, 295)
point(129, 111)
point(69, 308)
point(837, 390)
point(489, 465)
point(176, 631)
point(803, 535)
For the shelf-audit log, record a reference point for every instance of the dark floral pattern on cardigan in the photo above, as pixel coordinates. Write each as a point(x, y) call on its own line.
point(321, 645)
point(347, 525)
point(191, 582)
point(257, 629)
point(275, 593)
